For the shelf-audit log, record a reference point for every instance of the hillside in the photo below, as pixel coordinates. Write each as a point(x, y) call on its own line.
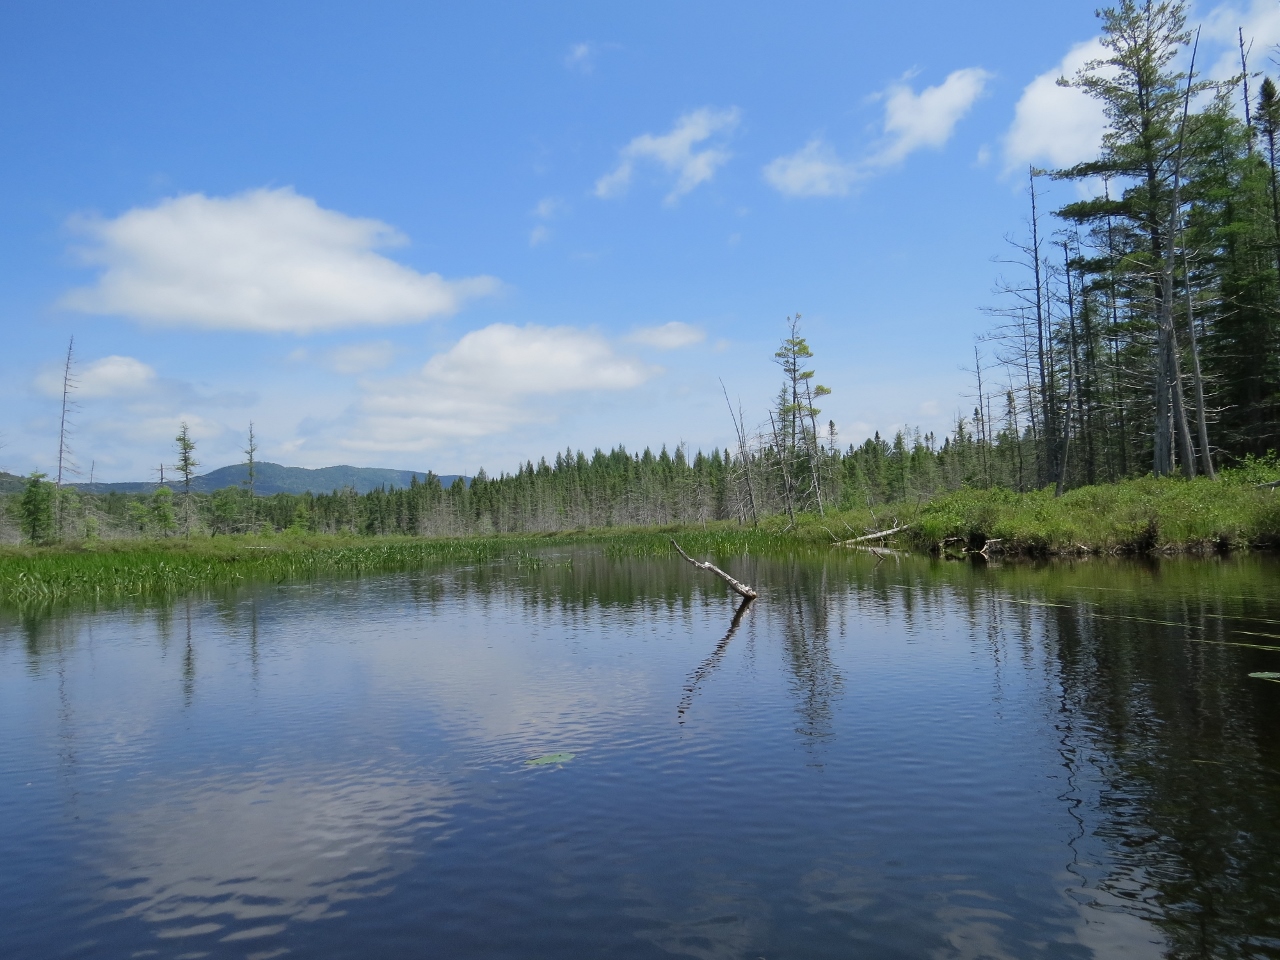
point(273, 478)
point(9, 483)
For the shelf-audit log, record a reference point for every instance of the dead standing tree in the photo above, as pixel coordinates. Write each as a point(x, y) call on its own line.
point(64, 431)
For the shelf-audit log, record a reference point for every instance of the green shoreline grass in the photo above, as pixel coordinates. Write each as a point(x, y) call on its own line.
point(1138, 517)
point(119, 570)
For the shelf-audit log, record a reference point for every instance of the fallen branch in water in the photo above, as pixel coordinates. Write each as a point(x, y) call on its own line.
point(739, 588)
point(876, 536)
point(880, 552)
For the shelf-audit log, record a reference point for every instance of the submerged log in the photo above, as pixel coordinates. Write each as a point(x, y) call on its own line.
point(739, 588)
point(876, 536)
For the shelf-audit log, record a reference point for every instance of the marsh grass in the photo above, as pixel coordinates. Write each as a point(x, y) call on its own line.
point(120, 570)
point(1138, 516)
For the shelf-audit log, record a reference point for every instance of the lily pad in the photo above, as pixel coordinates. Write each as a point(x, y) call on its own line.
point(1265, 675)
point(549, 758)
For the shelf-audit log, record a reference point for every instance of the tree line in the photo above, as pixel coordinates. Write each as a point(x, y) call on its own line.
point(776, 471)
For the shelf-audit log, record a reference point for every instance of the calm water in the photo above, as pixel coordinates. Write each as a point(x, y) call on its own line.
point(905, 759)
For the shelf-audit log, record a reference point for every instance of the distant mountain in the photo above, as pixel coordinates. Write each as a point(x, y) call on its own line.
point(272, 478)
point(11, 483)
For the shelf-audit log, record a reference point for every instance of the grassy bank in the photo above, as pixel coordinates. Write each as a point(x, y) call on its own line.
point(126, 569)
point(1142, 516)
point(1139, 516)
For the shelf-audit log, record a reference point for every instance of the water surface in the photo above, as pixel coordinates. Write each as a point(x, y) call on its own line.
point(896, 759)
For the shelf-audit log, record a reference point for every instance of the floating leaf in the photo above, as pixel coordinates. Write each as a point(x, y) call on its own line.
point(549, 758)
point(1266, 676)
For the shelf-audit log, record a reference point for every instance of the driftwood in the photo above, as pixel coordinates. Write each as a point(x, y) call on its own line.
point(875, 536)
point(739, 588)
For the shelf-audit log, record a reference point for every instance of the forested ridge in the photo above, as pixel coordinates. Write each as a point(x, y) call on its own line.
point(1135, 332)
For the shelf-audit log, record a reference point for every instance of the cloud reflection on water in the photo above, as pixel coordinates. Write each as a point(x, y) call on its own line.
point(245, 857)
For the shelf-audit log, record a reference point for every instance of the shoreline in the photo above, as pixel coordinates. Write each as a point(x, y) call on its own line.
point(1138, 518)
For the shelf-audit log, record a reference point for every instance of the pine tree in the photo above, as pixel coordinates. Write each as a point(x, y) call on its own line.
point(186, 467)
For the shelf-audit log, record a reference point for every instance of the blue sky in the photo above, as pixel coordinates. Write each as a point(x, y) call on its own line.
point(446, 236)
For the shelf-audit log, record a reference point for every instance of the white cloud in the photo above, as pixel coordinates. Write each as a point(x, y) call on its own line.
point(266, 260)
point(912, 121)
point(539, 235)
point(812, 171)
point(505, 359)
point(1261, 25)
point(674, 151)
point(668, 336)
point(361, 357)
point(159, 431)
point(1054, 125)
point(112, 376)
point(489, 381)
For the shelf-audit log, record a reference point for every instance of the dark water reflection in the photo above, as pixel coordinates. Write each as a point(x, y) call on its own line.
point(899, 759)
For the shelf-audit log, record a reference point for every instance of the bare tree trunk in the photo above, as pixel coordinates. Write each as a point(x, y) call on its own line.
point(740, 429)
point(782, 463)
point(1071, 370)
point(982, 425)
point(1180, 410)
point(1197, 380)
point(737, 586)
point(1169, 370)
point(812, 448)
point(64, 452)
point(1046, 412)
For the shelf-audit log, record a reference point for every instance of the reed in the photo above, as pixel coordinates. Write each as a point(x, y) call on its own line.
point(121, 570)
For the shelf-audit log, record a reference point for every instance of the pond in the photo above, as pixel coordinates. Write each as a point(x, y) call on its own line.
point(580, 754)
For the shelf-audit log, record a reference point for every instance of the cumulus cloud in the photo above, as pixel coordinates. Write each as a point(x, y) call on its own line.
point(491, 380)
point(912, 121)
point(668, 336)
point(511, 360)
point(1260, 21)
point(1054, 125)
point(674, 151)
point(266, 260)
point(812, 171)
point(112, 376)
